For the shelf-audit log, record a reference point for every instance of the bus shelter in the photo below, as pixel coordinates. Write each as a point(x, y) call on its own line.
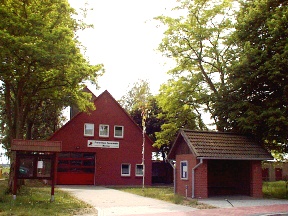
point(35, 160)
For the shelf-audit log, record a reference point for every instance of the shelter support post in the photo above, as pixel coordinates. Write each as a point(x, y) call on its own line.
point(174, 174)
point(193, 177)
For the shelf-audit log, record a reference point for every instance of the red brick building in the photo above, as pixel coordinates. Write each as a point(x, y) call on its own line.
point(103, 147)
point(274, 171)
point(214, 163)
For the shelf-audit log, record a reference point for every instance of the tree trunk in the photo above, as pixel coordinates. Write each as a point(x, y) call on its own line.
point(15, 126)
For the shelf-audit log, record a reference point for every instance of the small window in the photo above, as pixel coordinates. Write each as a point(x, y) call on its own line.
point(103, 130)
point(118, 131)
point(88, 129)
point(278, 174)
point(125, 169)
point(184, 169)
point(139, 170)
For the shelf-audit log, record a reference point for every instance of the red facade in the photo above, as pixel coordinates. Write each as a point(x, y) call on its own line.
point(185, 186)
point(216, 177)
point(109, 152)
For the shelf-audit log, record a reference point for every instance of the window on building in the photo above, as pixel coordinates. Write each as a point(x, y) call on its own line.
point(88, 129)
point(139, 170)
point(265, 174)
point(278, 174)
point(103, 130)
point(125, 169)
point(118, 131)
point(184, 169)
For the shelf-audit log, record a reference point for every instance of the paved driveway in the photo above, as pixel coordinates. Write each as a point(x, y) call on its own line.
point(111, 202)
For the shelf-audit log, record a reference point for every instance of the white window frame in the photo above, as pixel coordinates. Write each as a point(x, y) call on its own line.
point(85, 130)
point(184, 170)
point(105, 135)
point(115, 131)
point(136, 173)
point(129, 169)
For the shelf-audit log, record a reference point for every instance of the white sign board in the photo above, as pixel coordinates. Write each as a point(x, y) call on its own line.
point(40, 164)
point(103, 144)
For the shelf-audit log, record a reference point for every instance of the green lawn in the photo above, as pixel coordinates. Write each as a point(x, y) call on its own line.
point(165, 194)
point(5, 171)
point(270, 190)
point(34, 199)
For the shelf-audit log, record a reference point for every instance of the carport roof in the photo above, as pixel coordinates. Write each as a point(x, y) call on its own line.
point(219, 145)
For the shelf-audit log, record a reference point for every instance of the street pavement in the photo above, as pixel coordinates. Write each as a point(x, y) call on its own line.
point(110, 202)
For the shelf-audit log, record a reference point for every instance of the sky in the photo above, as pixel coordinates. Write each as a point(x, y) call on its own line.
point(125, 38)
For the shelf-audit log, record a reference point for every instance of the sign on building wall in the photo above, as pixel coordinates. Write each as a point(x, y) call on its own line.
point(103, 144)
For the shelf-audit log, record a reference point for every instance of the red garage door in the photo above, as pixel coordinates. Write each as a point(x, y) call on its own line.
point(75, 168)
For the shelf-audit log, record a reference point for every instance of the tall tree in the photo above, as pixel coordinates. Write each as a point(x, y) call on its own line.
point(153, 122)
point(180, 109)
point(258, 95)
point(40, 59)
point(40, 62)
point(197, 42)
point(137, 96)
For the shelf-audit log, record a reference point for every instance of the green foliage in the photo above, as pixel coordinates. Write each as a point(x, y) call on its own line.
point(198, 44)
point(153, 123)
point(5, 171)
point(258, 79)
point(41, 66)
point(277, 189)
point(235, 70)
point(136, 97)
point(180, 109)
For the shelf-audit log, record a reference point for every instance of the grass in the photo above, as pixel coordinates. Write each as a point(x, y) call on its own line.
point(34, 199)
point(165, 194)
point(278, 189)
point(5, 171)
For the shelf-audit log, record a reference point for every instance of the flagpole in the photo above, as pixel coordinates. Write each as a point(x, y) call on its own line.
point(143, 158)
point(143, 145)
point(144, 116)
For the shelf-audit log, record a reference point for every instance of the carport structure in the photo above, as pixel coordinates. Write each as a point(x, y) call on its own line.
point(215, 163)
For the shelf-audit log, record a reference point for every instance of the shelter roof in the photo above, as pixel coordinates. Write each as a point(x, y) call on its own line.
point(219, 145)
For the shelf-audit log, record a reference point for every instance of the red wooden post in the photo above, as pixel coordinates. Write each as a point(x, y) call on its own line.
point(53, 176)
point(16, 167)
